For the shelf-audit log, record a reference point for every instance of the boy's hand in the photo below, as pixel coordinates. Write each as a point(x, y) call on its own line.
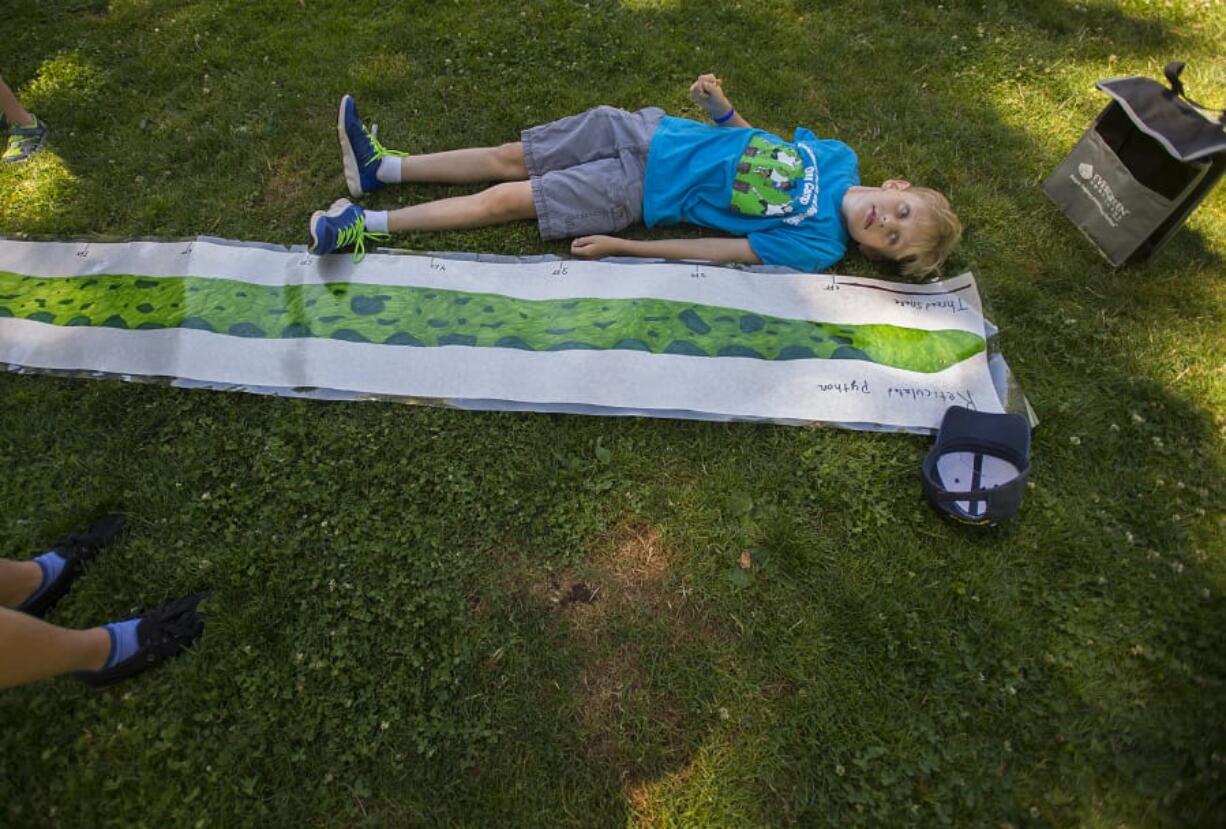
point(594, 247)
point(708, 93)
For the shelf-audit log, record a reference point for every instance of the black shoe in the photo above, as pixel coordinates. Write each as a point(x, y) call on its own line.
point(161, 634)
point(77, 549)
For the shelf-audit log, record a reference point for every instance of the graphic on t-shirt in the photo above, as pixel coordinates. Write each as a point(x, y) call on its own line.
point(766, 176)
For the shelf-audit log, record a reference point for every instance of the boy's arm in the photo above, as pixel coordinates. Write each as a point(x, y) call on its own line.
point(708, 93)
point(712, 249)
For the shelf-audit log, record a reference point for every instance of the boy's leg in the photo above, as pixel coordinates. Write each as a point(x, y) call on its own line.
point(466, 166)
point(14, 112)
point(31, 649)
point(506, 202)
point(27, 134)
point(346, 226)
point(18, 581)
point(34, 586)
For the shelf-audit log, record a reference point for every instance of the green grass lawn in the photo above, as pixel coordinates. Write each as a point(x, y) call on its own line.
point(425, 617)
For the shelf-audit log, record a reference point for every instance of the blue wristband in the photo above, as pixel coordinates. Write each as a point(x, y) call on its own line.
point(727, 116)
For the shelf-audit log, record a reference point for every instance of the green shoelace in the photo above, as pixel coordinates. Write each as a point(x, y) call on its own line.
point(356, 235)
point(381, 151)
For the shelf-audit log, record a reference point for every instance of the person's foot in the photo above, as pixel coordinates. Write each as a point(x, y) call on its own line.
point(24, 141)
point(340, 227)
point(66, 559)
point(139, 643)
point(361, 151)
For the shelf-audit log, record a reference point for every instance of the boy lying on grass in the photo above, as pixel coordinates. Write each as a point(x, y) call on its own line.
point(792, 204)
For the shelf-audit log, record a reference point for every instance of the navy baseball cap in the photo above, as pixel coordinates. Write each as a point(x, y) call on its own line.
point(977, 470)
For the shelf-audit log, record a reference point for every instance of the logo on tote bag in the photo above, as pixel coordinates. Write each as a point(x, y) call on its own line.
point(1100, 192)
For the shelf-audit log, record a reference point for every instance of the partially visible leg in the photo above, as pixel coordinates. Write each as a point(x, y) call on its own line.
point(36, 585)
point(346, 226)
point(27, 134)
point(466, 166)
point(14, 112)
point(31, 649)
point(18, 580)
point(501, 203)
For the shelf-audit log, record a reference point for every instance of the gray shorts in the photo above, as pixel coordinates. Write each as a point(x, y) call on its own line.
point(587, 170)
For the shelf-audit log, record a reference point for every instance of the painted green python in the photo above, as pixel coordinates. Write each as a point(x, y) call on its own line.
point(431, 317)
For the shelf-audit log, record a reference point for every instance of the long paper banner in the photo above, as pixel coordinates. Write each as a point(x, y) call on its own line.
point(661, 339)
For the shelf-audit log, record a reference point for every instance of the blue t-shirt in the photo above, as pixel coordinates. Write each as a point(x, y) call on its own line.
point(784, 197)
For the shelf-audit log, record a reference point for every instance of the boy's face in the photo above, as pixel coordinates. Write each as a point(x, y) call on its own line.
point(883, 219)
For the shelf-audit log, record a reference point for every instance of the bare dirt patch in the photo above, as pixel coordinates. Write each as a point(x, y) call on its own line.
point(626, 614)
point(637, 560)
point(632, 571)
point(612, 608)
point(284, 184)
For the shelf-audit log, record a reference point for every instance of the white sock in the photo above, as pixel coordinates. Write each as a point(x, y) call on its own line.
point(389, 169)
point(376, 220)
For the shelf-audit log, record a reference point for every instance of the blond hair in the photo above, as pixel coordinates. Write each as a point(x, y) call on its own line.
point(938, 232)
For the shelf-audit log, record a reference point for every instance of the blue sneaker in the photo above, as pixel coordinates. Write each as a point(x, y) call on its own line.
point(361, 152)
point(341, 226)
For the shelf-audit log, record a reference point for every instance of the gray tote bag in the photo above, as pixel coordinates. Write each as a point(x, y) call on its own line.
point(1141, 169)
